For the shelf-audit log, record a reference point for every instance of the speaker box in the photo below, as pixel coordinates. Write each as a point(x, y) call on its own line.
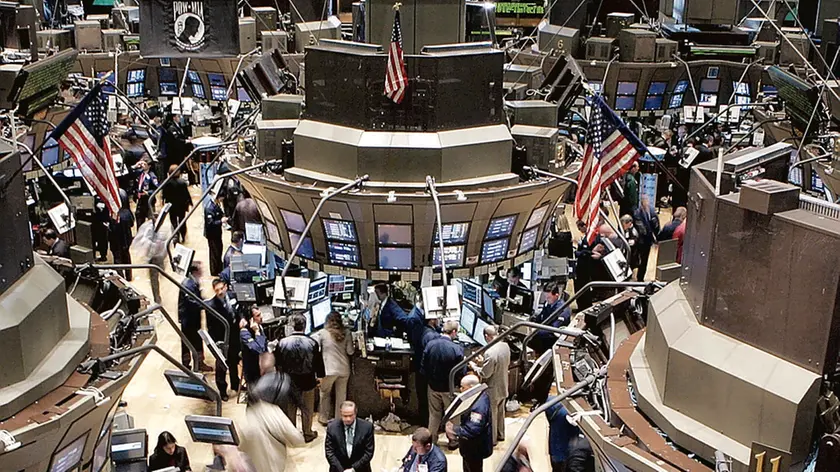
point(123, 17)
point(531, 76)
point(266, 19)
point(104, 20)
point(275, 40)
point(306, 33)
point(767, 51)
point(617, 21)
point(282, 107)
point(423, 23)
point(540, 143)
point(270, 137)
point(533, 113)
point(247, 35)
point(599, 49)
point(88, 35)
point(54, 39)
point(561, 39)
point(788, 50)
point(13, 213)
point(636, 45)
point(111, 39)
point(665, 49)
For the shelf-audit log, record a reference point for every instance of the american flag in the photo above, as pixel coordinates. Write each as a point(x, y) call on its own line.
point(610, 151)
point(84, 135)
point(395, 78)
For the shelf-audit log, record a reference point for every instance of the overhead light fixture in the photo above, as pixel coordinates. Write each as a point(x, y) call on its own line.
point(392, 196)
point(459, 195)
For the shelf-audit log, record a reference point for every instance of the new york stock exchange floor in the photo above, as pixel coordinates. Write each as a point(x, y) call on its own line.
point(155, 408)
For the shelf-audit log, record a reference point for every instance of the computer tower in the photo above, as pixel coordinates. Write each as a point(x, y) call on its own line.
point(275, 40)
point(265, 18)
point(599, 49)
point(617, 21)
point(111, 39)
point(558, 38)
point(247, 35)
point(788, 50)
point(88, 35)
point(636, 45)
point(54, 39)
point(665, 49)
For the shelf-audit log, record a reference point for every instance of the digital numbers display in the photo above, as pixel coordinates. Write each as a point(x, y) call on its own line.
point(340, 230)
point(453, 233)
point(500, 227)
point(493, 251)
point(344, 254)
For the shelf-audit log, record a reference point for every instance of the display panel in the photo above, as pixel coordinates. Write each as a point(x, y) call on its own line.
point(136, 75)
point(681, 86)
point(168, 88)
point(710, 85)
point(528, 241)
point(134, 90)
point(217, 80)
point(294, 221)
point(654, 102)
point(676, 101)
point(193, 76)
point(129, 445)
point(340, 284)
point(185, 386)
point(500, 227)
point(320, 311)
point(343, 254)
point(492, 251)
point(242, 95)
point(471, 292)
point(317, 289)
point(478, 332)
point(100, 454)
point(393, 234)
point(625, 103)
point(218, 93)
point(306, 249)
point(168, 81)
point(454, 256)
point(468, 317)
point(657, 88)
point(395, 258)
point(453, 233)
point(626, 88)
point(198, 91)
point(68, 457)
point(340, 230)
point(212, 429)
point(742, 88)
point(273, 233)
point(50, 155)
point(708, 99)
point(537, 216)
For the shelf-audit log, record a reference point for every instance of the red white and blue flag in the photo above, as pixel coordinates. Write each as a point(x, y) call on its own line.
point(84, 135)
point(611, 150)
point(396, 80)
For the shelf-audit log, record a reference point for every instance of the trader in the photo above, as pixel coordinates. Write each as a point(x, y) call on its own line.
point(493, 368)
point(146, 184)
point(475, 433)
point(441, 355)
point(392, 319)
point(300, 356)
point(253, 343)
point(350, 443)
point(543, 340)
point(419, 339)
point(237, 240)
point(213, 220)
point(216, 329)
point(176, 192)
point(423, 454)
point(189, 315)
point(56, 245)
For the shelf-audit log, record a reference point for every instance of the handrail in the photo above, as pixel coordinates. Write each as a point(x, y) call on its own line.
point(184, 340)
point(181, 287)
point(500, 337)
point(589, 380)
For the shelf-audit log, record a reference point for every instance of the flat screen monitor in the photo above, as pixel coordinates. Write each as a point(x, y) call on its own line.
point(657, 88)
point(212, 429)
point(710, 85)
point(343, 254)
point(129, 445)
point(478, 332)
point(307, 251)
point(109, 76)
point(500, 227)
point(273, 233)
point(317, 289)
point(218, 93)
point(198, 90)
point(216, 80)
point(264, 292)
point(626, 88)
point(254, 233)
point(50, 155)
point(453, 233)
point(454, 256)
point(537, 216)
point(193, 77)
point(185, 386)
point(625, 103)
point(320, 311)
point(654, 102)
point(471, 292)
point(487, 301)
point(681, 86)
point(528, 240)
point(294, 221)
point(340, 284)
point(493, 251)
point(69, 456)
point(167, 74)
point(242, 95)
point(393, 234)
point(168, 88)
point(134, 90)
point(136, 75)
point(395, 258)
point(340, 230)
point(468, 317)
point(100, 453)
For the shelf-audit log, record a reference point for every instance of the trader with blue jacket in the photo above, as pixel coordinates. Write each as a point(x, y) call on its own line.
point(544, 340)
point(475, 433)
point(560, 433)
point(441, 355)
point(392, 320)
point(189, 316)
point(424, 455)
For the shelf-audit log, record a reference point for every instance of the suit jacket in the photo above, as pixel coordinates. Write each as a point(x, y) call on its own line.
point(336, 450)
point(213, 220)
point(231, 250)
point(189, 310)
point(392, 319)
point(146, 184)
point(215, 327)
point(60, 249)
point(177, 193)
point(246, 211)
point(475, 433)
point(434, 459)
point(494, 371)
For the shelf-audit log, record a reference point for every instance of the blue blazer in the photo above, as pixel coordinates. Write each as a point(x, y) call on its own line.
point(435, 460)
point(475, 433)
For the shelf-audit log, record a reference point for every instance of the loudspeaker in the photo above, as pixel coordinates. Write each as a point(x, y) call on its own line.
point(636, 45)
point(54, 39)
point(111, 39)
point(617, 21)
point(88, 35)
point(275, 40)
point(665, 49)
point(563, 13)
point(599, 49)
point(247, 35)
point(561, 39)
point(266, 19)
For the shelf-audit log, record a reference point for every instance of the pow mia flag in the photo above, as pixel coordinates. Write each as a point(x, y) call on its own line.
point(194, 28)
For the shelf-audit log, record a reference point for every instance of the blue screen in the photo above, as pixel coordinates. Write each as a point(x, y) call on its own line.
point(681, 86)
point(454, 256)
point(493, 251)
point(395, 258)
point(306, 250)
point(625, 103)
point(471, 292)
point(626, 88)
point(657, 88)
point(653, 102)
point(343, 254)
point(500, 227)
point(340, 230)
point(529, 240)
point(217, 79)
point(453, 233)
point(49, 156)
point(242, 95)
point(137, 75)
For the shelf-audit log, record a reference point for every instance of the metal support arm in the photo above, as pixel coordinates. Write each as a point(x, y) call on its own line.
point(430, 183)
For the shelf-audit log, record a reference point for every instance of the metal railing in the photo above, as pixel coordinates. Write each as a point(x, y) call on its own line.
point(820, 207)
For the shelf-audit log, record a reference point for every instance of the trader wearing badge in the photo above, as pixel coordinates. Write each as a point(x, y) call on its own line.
point(424, 456)
point(475, 433)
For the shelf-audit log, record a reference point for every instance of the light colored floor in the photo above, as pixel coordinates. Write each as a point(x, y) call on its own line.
point(155, 408)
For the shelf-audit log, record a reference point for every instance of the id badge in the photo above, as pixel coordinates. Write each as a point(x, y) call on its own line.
point(422, 467)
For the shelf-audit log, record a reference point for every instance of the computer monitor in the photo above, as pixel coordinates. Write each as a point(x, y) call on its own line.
point(340, 230)
point(129, 445)
point(487, 301)
point(100, 453)
point(343, 254)
point(320, 311)
point(242, 95)
point(468, 317)
point(453, 233)
point(294, 221)
point(69, 456)
point(340, 284)
point(136, 75)
point(306, 250)
point(528, 240)
point(213, 346)
point(217, 80)
point(134, 89)
point(264, 292)
point(317, 289)
point(478, 331)
point(471, 293)
point(50, 155)
point(395, 258)
point(212, 429)
point(185, 386)
point(536, 216)
point(454, 256)
point(493, 251)
point(254, 233)
point(520, 299)
point(500, 227)
point(393, 234)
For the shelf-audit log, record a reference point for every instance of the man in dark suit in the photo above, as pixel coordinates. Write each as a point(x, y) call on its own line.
point(214, 217)
point(176, 192)
point(216, 329)
point(423, 452)
point(300, 356)
point(146, 184)
point(253, 343)
point(647, 224)
point(237, 239)
point(543, 340)
point(189, 315)
point(475, 433)
point(392, 319)
point(349, 445)
point(439, 358)
point(56, 245)
point(668, 230)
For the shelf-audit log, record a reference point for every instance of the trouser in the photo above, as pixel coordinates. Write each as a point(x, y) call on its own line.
point(214, 248)
point(473, 465)
point(100, 240)
point(154, 281)
point(542, 386)
point(306, 413)
point(438, 403)
point(175, 220)
point(644, 255)
point(422, 388)
point(233, 370)
point(497, 408)
point(191, 333)
point(558, 466)
point(142, 212)
point(123, 256)
point(325, 410)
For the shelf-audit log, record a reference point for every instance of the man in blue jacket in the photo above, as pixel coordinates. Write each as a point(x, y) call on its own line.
point(189, 316)
point(439, 358)
point(423, 454)
point(560, 432)
point(543, 340)
point(475, 433)
point(392, 319)
point(253, 343)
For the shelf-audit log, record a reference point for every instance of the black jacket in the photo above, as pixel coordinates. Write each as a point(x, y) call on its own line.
point(439, 357)
point(163, 460)
point(120, 234)
point(475, 433)
point(336, 450)
point(176, 192)
point(60, 249)
point(668, 231)
point(275, 388)
point(189, 310)
point(213, 220)
point(300, 356)
point(215, 327)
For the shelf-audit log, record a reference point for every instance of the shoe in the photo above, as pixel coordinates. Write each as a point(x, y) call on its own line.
point(308, 439)
point(225, 397)
point(205, 368)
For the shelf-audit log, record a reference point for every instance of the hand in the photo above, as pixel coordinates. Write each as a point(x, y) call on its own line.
point(450, 430)
point(243, 323)
point(224, 219)
point(479, 360)
point(255, 327)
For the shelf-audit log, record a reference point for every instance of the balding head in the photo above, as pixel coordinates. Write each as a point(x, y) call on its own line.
point(490, 332)
point(679, 213)
point(468, 382)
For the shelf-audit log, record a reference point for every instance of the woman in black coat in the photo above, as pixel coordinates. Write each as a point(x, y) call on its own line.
point(169, 454)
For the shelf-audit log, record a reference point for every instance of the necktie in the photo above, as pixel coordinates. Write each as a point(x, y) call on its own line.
point(348, 434)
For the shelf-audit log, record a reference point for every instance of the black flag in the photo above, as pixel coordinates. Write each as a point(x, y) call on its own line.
point(195, 28)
